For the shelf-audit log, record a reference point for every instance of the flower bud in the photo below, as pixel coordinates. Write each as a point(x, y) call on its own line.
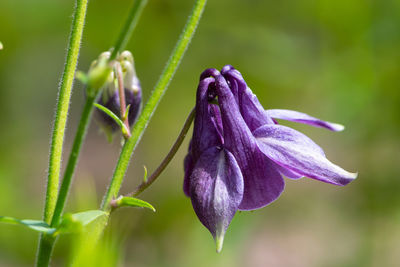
point(110, 94)
point(99, 73)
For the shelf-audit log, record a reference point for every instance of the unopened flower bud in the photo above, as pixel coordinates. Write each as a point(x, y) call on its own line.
point(110, 94)
point(99, 73)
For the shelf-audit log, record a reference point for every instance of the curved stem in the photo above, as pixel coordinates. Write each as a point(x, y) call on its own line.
point(128, 27)
point(152, 103)
point(145, 184)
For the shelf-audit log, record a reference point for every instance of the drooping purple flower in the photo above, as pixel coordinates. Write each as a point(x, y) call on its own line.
point(238, 152)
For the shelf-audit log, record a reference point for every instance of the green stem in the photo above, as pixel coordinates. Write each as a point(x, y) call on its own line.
point(145, 184)
point(128, 27)
point(47, 242)
point(122, 102)
point(64, 96)
point(73, 158)
point(126, 32)
point(45, 250)
point(62, 108)
point(152, 103)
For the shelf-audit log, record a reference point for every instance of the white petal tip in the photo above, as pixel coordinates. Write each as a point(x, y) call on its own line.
point(353, 175)
point(349, 178)
point(219, 242)
point(337, 127)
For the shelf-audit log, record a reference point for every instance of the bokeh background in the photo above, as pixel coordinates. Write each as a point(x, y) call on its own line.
point(337, 60)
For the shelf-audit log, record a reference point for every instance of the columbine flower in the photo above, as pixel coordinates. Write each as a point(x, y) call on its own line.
point(110, 96)
point(238, 152)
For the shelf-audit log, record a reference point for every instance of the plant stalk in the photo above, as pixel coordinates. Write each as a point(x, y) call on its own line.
point(128, 27)
point(54, 203)
point(73, 159)
point(145, 184)
point(58, 133)
point(122, 102)
point(64, 97)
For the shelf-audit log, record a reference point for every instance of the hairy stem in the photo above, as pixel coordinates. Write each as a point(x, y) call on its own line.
point(59, 125)
point(80, 135)
point(54, 203)
point(64, 97)
point(152, 103)
point(73, 159)
point(145, 184)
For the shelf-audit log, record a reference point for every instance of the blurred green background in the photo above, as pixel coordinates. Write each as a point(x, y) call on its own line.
point(337, 60)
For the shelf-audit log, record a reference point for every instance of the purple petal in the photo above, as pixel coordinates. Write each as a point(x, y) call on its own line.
point(262, 182)
point(226, 68)
point(287, 172)
point(209, 73)
point(215, 114)
point(112, 103)
point(250, 108)
point(205, 133)
point(295, 151)
point(188, 165)
point(134, 99)
point(291, 115)
point(207, 130)
point(216, 190)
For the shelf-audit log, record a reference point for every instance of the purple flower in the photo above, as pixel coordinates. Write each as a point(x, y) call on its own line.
point(238, 152)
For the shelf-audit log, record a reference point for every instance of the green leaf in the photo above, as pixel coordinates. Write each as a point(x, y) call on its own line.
point(114, 117)
point(39, 226)
point(134, 202)
point(74, 223)
point(88, 217)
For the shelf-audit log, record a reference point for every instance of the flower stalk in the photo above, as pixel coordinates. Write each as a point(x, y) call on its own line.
point(122, 103)
point(145, 184)
point(129, 26)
